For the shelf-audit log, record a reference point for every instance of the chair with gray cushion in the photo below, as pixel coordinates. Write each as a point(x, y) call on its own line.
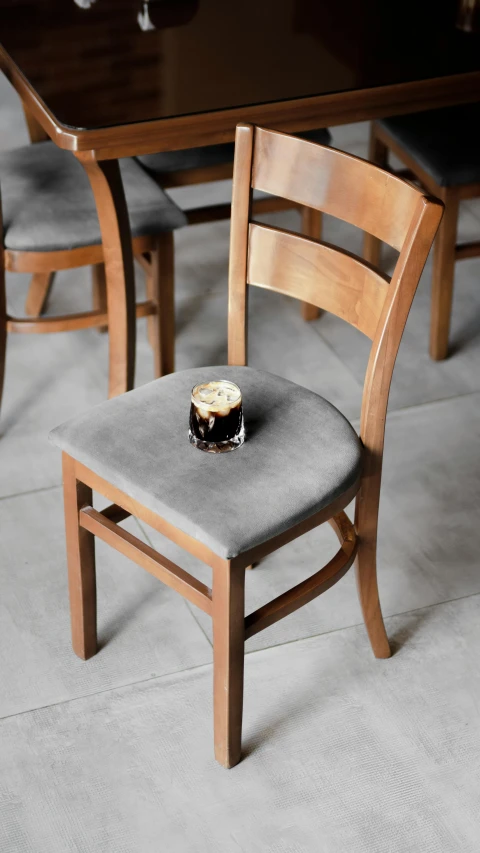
point(215, 163)
point(441, 150)
point(301, 462)
point(50, 223)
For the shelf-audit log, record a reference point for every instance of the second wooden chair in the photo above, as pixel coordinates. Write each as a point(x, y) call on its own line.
point(441, 150)
point(50, 223)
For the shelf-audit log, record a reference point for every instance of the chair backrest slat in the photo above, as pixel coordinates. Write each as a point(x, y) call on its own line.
point(357, 192)
point(317, 273)
point(335, 183)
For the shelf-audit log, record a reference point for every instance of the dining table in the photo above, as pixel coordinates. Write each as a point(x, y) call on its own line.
point(106, 79)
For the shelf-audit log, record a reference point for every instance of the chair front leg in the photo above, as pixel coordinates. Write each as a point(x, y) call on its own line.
point(161, 290)
point(81, 564)
point(228, 661)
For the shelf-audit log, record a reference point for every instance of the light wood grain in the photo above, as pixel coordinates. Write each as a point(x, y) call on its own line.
point(335, 183)
point(66, 259)
point(81, 564)
point(107, 187)
point(228, 661)
point(384, 350)
point(237, 274)
point(145, 556)
point(70, 322)
point(317, 273)
point(310, 588)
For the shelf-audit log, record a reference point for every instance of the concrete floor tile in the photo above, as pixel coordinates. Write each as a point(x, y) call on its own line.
point(342, 753)
point(145, 629)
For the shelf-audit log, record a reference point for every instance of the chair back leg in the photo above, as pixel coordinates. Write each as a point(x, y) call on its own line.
point(38, 293)
point(161, 290)
point(228, 661)
point(81, 564)
point(99, 292)
point(366, 524)
point(442, 277)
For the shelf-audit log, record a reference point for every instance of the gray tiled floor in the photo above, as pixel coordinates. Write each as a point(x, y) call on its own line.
point(344, 754)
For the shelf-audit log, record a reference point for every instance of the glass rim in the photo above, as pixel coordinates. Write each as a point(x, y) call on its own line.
point(209, 406)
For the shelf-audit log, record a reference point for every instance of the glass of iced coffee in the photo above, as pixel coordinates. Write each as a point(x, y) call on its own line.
point(216, 416)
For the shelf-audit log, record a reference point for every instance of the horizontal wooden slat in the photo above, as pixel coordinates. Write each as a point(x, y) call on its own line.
point(317, 273)
point(69, 322)
point(310, 588)
point(336, 183)
point(467, 250)
point(66, 259)
point(115, 513)
point(158, 565)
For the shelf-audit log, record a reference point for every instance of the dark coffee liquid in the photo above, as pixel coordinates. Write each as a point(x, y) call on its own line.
point(216, 427)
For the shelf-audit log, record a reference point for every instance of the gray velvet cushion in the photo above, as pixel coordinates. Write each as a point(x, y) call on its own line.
point(300, 453)
point(210, 155)
point(48, 202)
point(446, 143)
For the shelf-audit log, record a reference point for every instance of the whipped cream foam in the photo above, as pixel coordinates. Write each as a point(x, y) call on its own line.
point(218, 397)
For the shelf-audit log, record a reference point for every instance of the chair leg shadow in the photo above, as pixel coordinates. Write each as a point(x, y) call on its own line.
point(412, 624)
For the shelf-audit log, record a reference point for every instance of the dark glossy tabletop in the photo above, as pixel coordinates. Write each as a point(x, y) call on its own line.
point(95, 66)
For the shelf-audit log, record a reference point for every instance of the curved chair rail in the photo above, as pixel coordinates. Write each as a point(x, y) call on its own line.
point(308, 589)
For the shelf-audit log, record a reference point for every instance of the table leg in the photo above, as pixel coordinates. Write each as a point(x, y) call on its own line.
point(107, 186)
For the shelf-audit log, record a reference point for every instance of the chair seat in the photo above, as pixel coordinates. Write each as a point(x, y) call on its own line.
point(446, 143)
point(211, 155)
point(299, 455)
point(48, 203)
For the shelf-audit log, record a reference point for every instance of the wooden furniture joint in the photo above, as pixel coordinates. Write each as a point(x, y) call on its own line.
point(103, 525)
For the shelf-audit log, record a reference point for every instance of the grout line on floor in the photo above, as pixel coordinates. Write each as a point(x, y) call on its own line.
point(185, 602)
point(362, 624)
point(31, 492)
point(204, 665)
point(105, 690)
point(432, 402)
point(397, 411)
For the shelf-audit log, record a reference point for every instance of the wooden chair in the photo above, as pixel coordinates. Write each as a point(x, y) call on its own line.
point(50, 223)
point(302, 462)
point(440, 150)
point(213, 163)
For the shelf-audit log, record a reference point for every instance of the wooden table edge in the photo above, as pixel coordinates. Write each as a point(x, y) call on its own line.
point(208, 128)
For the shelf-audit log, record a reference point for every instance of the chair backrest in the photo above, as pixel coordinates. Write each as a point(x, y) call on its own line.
point(352, 190)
